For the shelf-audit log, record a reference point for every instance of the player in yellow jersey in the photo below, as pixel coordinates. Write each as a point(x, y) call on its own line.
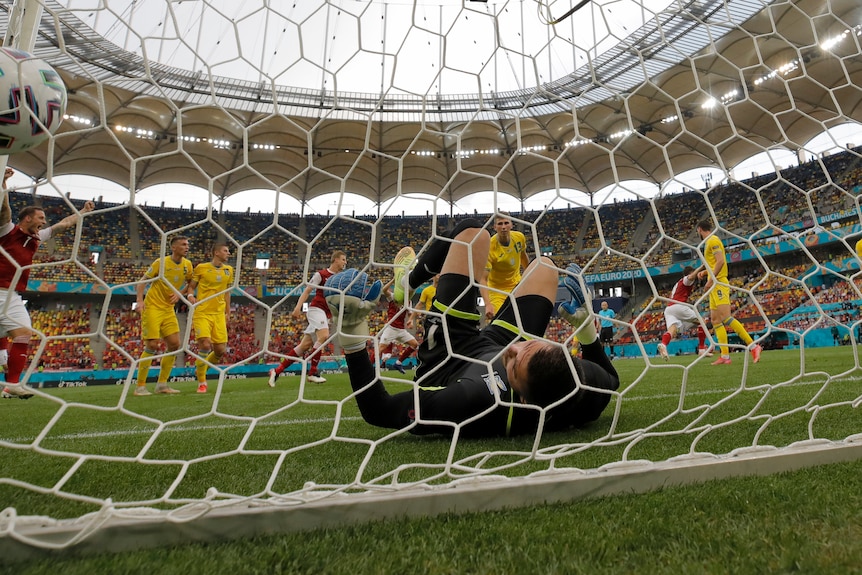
point(859, 249)
point(719, 295)
point(158, 319)
point(213, 282)
point(426, 298)
point(506, 257)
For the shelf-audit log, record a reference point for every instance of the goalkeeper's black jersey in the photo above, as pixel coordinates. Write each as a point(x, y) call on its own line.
point(469, 398)
point(473, 395)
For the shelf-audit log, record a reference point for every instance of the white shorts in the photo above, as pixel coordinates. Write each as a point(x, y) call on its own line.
point(13, 314)
point(390, 334)
point(683, 316)
point(317, 320)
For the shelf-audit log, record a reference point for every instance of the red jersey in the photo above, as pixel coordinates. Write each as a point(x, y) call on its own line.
point(395, 315)
point(319, 299)
point(681, 291)
point(20, 246)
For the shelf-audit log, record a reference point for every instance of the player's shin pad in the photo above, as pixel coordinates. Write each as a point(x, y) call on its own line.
point(583, 322)
point(351, 315)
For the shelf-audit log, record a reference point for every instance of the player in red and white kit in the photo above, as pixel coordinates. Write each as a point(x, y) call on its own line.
point(680, 315)
point(396, 331)
point(318, 315)
point(20, 242)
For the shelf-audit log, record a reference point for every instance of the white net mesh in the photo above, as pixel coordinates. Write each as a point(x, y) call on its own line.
point(408, 104)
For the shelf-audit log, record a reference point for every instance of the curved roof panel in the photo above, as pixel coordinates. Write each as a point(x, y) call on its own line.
point(705, 85)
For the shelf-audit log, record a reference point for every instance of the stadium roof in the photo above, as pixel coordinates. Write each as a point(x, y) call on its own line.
point(707, 84)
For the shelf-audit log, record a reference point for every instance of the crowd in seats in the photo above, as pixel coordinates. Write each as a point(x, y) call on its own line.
point(122, 272)
point(131, 236)
point(49, 268)
point(123, 327)
point(62, 352)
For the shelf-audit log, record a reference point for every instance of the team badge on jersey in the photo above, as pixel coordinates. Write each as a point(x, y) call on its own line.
point(498, 381)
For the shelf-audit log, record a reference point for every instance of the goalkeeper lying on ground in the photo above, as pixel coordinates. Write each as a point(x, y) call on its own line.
point(493, 380)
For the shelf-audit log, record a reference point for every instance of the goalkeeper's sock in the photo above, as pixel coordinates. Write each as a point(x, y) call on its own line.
point(144, 366)
point(431, 261)
point(166, 367)
point(583, 322)
point(353, 333)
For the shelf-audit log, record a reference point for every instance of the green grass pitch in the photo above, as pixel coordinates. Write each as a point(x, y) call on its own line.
point(251, 440)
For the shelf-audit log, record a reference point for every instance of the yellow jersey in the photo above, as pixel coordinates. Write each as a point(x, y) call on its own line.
point(174, 274)
point(427, 296)
point(859, 249)
point(504, 262)
point(714, 251)
point(212, 280)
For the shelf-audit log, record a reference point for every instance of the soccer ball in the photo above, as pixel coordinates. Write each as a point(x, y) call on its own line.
point(32, 101)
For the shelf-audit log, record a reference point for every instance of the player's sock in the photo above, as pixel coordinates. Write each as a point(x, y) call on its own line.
point(316, 354)
point(665, 339)
point(408, 351)
point(721, 336)
point(166, 367)
point(201, 368)
point(701, 338)
point(286, 362)
point(736, 326)
point(17, 358)
point(431, 261)
point(144, 364)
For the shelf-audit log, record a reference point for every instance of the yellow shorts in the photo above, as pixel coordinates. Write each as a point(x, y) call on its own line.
point(719, 295)
point(212, 326)
point(157, 323)
point(497, 299)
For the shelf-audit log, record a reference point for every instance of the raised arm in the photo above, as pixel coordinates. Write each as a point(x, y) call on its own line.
point(5, 209)
point(71, 221)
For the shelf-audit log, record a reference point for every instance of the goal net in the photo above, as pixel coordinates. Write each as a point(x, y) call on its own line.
point(606, 134)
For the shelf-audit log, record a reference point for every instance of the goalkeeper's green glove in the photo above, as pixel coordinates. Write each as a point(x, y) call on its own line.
point(583, 322)
point(351, 317)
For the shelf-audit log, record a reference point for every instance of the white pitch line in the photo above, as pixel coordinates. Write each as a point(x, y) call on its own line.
point(174, 428)
point(234, 425)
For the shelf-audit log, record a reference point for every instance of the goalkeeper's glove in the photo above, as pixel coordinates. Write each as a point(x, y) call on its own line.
point(582, 320)
point(351, 315)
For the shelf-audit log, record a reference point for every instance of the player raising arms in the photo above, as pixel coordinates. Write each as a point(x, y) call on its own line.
point(158, 317)
point(318, 321)
point(20, 242)
point(213, 281)
point(679, 315)
point(719, 296)
point(506, 256)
